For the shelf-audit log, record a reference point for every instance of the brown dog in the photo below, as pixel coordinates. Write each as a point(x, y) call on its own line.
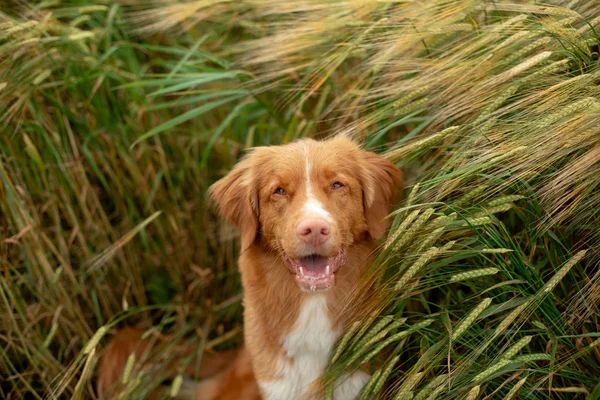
point(309, 213)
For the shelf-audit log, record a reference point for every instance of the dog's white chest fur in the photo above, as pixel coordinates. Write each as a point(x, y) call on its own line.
point(308, 347)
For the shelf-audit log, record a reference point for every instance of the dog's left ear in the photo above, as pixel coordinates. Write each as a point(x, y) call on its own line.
point(382, 180)
point(236, 197)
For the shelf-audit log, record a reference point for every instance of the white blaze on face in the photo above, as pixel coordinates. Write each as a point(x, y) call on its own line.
point(313, 208)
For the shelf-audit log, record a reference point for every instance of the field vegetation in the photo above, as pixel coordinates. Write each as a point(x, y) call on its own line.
point(115, 117)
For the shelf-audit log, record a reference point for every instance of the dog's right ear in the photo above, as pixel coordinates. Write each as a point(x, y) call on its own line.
point(236, 196)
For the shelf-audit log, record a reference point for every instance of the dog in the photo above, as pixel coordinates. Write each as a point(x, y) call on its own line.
point(309, 214)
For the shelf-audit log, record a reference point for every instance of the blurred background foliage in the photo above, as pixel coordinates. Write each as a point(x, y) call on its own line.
point(116, 116)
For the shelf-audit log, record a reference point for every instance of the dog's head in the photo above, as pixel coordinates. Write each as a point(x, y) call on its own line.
point(309, 201)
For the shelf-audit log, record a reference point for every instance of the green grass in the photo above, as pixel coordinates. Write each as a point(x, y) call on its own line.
point(115, 118)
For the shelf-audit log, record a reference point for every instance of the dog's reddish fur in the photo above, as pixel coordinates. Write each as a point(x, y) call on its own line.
point(130, 340)
point(267, 221)
point(233, 383)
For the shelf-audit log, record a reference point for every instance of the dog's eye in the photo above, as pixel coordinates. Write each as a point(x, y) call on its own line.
point(337, 185)
point(279, 191)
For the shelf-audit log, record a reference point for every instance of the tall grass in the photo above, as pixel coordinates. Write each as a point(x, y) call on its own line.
point(117, 117)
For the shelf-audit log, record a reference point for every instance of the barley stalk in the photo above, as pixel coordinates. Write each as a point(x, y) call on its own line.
point(125, 394)
point(517, 37)
point(25, 42)
point(510, 353)
point(526, 358)
point(471, 195)
point(435, 395)
point(435, 382)
point(551, 284)
point(594, 343)
point(500, 99)
point(382, 323)
point(508, 154)
point(447, 246)
point(80, 36)
point(496, 251)
point(515, 389)
point(526, 50)
point(329, 392)
point(385, 374)
point(394, 338)
point(421, 144)
point(367, 390)
point(413, 106)
point(128, 368)
point(403, 226)
point(577, 82)
point(473, 274)
point(589, 25)
point(404, 396)
point(470, 318)
point(407, 98)
point(516, 20)
point(539, 325)
point(504, 199)
point(452, 28)
point(560, 29)
point(385, 331)
point(544, 71)
point(548, 287)
point(511, 317)
point(93, 342)
point(412, 271)
point(51, 334)
point(413, 195)
point(525, 65)
point(364, 327)
point(87, 368)
point(93, 8)
point(176, 386)
point(80, 20)
point(473, 393)
point(409, 233)
point(430, 239)
point(491, 370)
point(539, 9)
point(345, 339)
point(488, 124)
point(444, 220)
point(478, 221)
point(577, 107)
point(494, 210)
point(41, 76)
point(410, 383)
point(21, 27)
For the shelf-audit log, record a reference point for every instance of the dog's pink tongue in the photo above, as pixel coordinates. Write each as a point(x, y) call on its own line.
point(315, 266)
point(315, 273)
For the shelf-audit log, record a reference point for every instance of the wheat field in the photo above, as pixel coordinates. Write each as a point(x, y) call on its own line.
point(115, 117)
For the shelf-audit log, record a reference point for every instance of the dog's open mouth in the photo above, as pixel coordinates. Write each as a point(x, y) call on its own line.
point(316, 272)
